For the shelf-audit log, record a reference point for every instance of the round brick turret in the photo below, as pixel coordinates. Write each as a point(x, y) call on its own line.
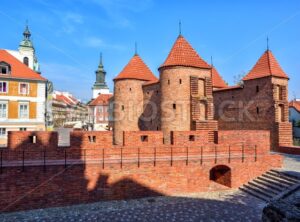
point(176, 74)
point(128, 97)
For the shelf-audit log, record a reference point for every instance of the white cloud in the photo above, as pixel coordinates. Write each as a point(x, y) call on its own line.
point(96, 42)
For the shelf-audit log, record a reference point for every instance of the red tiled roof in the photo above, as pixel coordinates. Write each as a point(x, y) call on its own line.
point(295, 105)
point(229, 88)
point(183, 54)
point(65, 99)
point(18, 69)
point(217, 81)
point(62, 98)
point(151, 82)
point(136, 69)
point(102, 99)
point(267, 65)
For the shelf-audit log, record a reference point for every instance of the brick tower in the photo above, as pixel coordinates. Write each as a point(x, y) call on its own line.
point(269, 78)
point(128, 97)
point(260, 103)
point(186, 91)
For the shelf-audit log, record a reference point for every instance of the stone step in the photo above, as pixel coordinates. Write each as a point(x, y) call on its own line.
point(252, 193)
point(273, 186)
point(284, 186)
point(278, 179)
point(286, 174)
point(257, 191)
point(264, 188)
point(285, 177)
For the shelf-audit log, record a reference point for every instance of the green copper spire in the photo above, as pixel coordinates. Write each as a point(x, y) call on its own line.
point(26, 42)
point(100, 76)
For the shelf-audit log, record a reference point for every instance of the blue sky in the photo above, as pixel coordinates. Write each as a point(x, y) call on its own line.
point(70, 34)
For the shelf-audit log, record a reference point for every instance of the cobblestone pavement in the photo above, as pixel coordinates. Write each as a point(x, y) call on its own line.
point(213, 206)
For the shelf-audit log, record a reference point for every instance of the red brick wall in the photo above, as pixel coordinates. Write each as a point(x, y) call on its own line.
point(190, 138)
point(91, 182)
point(260, 138)
point(91, 139)
point(134, 138)
point(21, 140)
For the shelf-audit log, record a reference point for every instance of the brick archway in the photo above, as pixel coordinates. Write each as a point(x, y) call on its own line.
point(221, 174)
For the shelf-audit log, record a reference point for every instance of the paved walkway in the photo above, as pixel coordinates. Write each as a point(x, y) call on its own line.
point(214, 206)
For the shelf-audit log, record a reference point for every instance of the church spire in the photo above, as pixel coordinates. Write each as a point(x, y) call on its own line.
point(26, 32)
point(26, 42)
point(100, 85)
point(100, 62)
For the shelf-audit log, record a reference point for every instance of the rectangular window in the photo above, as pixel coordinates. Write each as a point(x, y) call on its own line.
point(23, 129)
point(2, 132)
point(24, 88)
point(3, 110)
point(3, 87)
point(24, 110)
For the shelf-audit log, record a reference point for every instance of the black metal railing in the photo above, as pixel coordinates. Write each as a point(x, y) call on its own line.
point(122, 155)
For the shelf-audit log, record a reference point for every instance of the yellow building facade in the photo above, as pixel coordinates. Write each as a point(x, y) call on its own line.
point(22, 97)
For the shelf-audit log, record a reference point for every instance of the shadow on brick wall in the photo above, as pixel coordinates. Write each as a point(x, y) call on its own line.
point(48, 182)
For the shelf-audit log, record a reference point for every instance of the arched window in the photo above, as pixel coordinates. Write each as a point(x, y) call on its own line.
point(26, 61)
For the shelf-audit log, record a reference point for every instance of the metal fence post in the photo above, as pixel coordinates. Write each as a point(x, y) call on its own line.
point(243, 153)
point(65, 157)
point(103, 158)
point(121, 161)
point(44, 160)
point(255, 153)
point(154, 161)
point(201, 152)
point(138, 157)
point(229, 150)
point(23, 160)
point(1, 159)
point(187, 155)
point(171, 155)
point(216, 154)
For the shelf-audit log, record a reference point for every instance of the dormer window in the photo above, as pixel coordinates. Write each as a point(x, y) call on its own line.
point(4, 68)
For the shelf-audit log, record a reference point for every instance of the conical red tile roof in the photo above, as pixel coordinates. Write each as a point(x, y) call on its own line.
point(183, 54)
point(136, 69)
point(217, 81)
point(267, 65)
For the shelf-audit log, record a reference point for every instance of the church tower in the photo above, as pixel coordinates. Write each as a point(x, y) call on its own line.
point(27, 51)
point(100, 86)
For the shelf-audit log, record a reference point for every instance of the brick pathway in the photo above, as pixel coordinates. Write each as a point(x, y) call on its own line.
point(215, 206)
